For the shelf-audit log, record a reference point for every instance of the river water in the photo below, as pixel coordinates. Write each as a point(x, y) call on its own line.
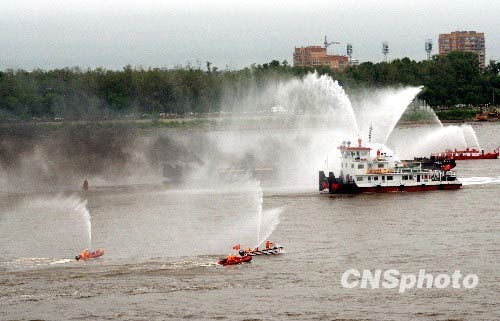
point(162, 243)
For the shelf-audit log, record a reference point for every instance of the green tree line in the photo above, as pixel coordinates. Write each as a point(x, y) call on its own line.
point(73, 93)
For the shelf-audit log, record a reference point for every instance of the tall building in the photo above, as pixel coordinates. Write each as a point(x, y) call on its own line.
point(315, 56)
point(469, 41)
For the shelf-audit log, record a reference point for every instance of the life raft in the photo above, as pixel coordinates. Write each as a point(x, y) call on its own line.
point(92, 255)
point(235, 260)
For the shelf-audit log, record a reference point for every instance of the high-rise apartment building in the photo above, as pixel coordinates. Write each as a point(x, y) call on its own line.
point(469, 41)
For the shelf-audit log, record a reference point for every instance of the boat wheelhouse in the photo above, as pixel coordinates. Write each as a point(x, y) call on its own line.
point(362, 173)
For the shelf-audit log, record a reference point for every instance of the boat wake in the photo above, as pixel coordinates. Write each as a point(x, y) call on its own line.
point(480, 180)
point(188, 264)
point(34, 262)
point(62, 261)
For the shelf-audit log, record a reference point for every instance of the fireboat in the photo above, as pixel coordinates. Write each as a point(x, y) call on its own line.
point(362, 174)
point(467, 154)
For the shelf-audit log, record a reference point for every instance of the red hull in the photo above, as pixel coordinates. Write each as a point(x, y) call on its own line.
point(353, 189)
point(96, 254)
point(235, 261)
point(420, 188)
point(485, 156)
point(92, 255)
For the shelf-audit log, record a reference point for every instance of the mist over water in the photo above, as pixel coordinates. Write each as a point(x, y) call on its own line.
point(318, 115)
point(198, 171)
point(38, 159)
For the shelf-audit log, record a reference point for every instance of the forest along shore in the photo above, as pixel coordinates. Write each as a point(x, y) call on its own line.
point(74, 94)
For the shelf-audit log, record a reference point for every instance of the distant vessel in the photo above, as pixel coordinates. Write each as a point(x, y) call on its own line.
point(362, 174)
point(466, 154)
point(481, 117)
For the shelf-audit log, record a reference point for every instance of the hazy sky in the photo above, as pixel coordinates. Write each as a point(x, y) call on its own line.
point(113, 33)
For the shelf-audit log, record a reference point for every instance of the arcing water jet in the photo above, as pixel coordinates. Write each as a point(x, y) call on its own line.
point(381, 110)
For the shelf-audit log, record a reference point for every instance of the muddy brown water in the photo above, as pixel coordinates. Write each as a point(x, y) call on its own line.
point(162, 244)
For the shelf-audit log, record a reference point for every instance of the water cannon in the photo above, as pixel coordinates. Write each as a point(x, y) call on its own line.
point(348, 143)
point(344, 143)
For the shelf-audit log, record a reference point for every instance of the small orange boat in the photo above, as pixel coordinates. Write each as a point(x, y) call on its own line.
point(86, 255)
point(234, 259)
point(481, 117)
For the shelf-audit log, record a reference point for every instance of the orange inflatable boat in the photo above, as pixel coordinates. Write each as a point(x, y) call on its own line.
point(235, 259)
point(86, 255)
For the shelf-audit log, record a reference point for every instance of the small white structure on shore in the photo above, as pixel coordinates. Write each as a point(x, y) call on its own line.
point(278, 109)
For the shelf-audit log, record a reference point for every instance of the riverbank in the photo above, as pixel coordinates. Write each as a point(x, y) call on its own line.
point(262, 122)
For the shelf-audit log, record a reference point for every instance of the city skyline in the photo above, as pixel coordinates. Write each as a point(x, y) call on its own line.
point(53, 34)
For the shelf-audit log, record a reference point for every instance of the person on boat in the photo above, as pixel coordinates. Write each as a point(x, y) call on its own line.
point(242, 253)
point(268, 245)
point(248, 249)
point(85, 254)
point(231, 258)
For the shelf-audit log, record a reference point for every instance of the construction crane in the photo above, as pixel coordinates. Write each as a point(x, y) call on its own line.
point(327, 44)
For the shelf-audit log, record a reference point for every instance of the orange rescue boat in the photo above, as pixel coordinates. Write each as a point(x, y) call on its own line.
point(86, 255)
point(233, 260)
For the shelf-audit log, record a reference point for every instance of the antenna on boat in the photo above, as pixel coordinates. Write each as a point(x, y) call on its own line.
point(370, 133)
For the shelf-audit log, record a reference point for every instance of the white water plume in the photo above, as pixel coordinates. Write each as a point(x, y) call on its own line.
point(426, 140)
point(470, 136)
point(433, 116)
point(259, 211)
point(82, 209)
point(320, 116)
point(46, 226)
point(381, 110)
point(269, 222)
point(319, 96)
point(435, 141)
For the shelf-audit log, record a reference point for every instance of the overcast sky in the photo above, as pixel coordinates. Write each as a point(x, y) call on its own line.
point(113, 33)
